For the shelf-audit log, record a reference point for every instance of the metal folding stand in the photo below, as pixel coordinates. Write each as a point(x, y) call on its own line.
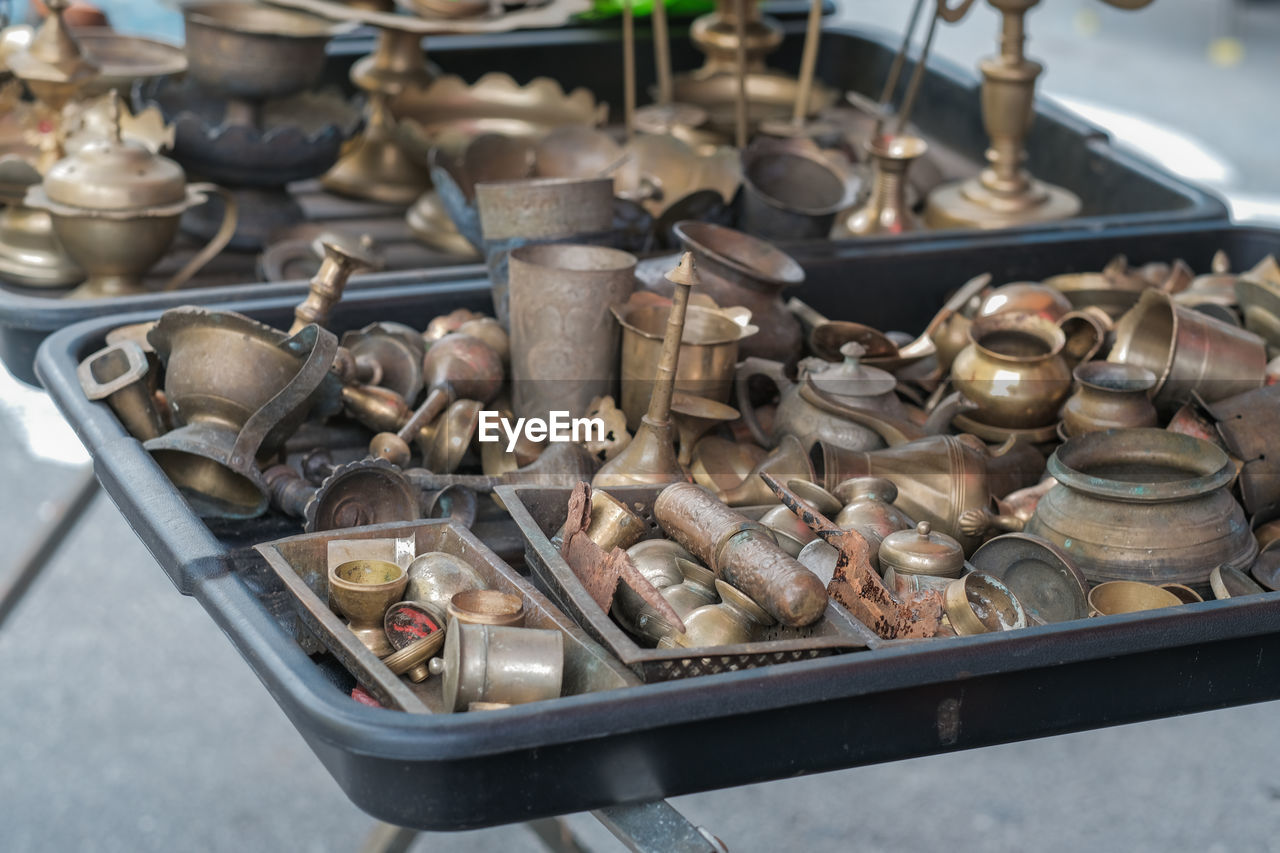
point(644, 828)
point(16, 579)
point(655, 827)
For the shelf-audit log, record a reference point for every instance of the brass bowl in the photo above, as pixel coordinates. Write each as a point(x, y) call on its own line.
point(487, 607)
point(124, 59)
point(256, 53)
point(1112, 597)
point(363, 590)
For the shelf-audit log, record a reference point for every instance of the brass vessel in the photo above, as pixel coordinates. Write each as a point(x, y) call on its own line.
point(436, 577)
point(1144, 505)
point(735, 619)
point(1189, 352)
point(1109, 396)
point(1113, 597)
point(887, 209)
point(869, 509)
point(814, 408)
point(1041, 575)
point(738, 269)
point(115, 207)
point(693, 417)
point(709, 350)
point(650, 458)
point(1013, 370)
point(499, 664)
point(362, 591)
point(236, 389)
point(793, 191)
point(486, 607)
point(564, 343)
point(922, 551)
point(978, 603)
point(118, 374)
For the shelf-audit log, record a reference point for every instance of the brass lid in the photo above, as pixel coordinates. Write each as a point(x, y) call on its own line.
point(112, 174)
point(851, 379)
point(922, 552)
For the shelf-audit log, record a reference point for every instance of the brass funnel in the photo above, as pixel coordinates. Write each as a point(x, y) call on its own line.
point(650, 458)
point(693, 417)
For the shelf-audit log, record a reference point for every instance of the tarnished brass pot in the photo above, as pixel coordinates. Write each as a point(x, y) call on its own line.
point(1144, 505)
point(1013, 370)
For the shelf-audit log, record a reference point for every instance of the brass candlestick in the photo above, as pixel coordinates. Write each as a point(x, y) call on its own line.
point(650, 459)
point(1005, 193)
point(377, 166)
point(327, 285)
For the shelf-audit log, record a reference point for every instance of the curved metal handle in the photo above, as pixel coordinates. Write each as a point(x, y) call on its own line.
point(219, 241)
point(952, 14)
point(323, 347)
point(747, 368)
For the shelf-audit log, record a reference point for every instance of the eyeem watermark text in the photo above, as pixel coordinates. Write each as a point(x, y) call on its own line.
point(559, 427)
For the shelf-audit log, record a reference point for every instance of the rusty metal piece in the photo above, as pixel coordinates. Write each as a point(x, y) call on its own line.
point(340, 262)
point(855, 584)
point(118, 374)
point(742, 552)
point(599, 571)
point(613, 524)
point(650, 457)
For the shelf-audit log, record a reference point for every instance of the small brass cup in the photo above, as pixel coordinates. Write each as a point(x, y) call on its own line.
point(487, 607)
point(362, 591)
point(1112, 597)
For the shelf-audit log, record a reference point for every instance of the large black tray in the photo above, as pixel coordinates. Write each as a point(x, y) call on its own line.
point(666, 739)
point(1116, 188)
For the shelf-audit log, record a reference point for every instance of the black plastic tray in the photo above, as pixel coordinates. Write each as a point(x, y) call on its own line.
point(658, 740)
point(1116, 188)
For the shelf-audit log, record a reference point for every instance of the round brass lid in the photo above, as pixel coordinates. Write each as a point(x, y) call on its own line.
point(922, 552)
point(112, 174)
point(852, 379)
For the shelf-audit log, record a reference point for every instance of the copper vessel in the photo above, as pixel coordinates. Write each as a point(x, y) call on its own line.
point(739, 269)
point(1013, 370)
point(1109, 396)
point(564, 343)
point(1144, 505)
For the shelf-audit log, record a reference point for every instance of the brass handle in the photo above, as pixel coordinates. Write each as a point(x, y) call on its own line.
point(219, 241)
point(771, 370)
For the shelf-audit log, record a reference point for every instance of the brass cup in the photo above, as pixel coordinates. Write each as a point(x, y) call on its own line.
point(613, 523)
point(1112, 597)
point(499, 664)
point(362, 591)
point(978, 603)
point(487, 607)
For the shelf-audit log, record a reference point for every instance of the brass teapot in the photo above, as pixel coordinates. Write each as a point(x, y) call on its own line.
point(816, 407)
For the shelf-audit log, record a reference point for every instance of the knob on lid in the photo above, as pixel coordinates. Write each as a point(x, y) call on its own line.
point(922, 552)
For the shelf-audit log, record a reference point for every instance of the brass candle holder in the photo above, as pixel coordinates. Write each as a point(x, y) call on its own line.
point(1005, 193)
